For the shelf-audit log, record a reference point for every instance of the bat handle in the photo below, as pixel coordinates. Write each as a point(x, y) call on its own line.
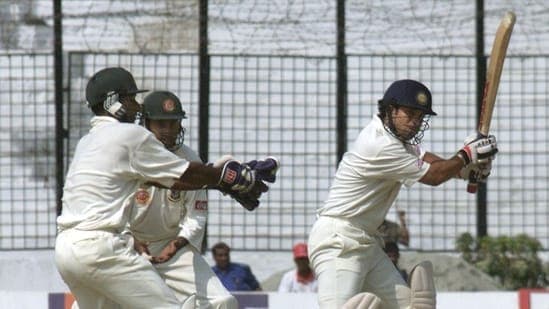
point(472, 187)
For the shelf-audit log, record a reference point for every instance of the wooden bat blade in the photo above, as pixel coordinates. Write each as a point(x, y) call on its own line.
point(493, 76)
point(495, 66)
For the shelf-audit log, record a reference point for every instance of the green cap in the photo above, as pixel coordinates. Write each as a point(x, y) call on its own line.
point(109, 80)
point(162, 105)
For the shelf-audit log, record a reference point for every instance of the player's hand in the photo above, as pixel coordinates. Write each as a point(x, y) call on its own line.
point(471, 138)
point(245, 182)
point(169, 251)
point(141, 248)
point(265, 169)
point(476, 172)
point(236, 177)
point(483, 171)
point(249, 199)
point(480, 150)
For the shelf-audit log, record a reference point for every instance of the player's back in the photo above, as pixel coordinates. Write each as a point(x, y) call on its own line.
point(100, 176)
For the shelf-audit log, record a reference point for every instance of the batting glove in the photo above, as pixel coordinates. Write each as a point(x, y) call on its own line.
point(476, 172)
point(480, 150)
point(236, 177)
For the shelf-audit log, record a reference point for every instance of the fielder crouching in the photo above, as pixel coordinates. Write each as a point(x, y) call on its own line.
point(168, 225)
point(343, 250)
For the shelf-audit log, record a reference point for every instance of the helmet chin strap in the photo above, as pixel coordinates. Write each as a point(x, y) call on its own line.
point(178, 140)
point(390, 127)
point(113, 106)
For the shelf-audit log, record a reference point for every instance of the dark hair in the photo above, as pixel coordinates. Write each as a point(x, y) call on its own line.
point(384, 110)
point(220, 245)
point(97, 109)
point(391, 246)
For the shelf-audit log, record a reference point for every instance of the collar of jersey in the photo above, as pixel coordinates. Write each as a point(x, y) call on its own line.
point(99, 120)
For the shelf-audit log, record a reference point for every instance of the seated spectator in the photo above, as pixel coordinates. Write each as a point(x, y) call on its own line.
point(393, 252)
point(234, 276)
point(393, 232)
point(302, 279)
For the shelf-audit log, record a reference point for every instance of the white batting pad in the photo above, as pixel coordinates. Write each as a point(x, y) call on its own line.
point(189, 302)
point(363, 301)
point(422, 285)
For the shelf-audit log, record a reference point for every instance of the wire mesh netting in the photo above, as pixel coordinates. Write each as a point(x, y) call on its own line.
point(27, 152)
point(273, 91)
point(285, 106)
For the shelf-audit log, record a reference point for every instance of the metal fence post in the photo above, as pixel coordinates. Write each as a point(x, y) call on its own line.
point(58, 76)
point(481, 79)
point(341, 82)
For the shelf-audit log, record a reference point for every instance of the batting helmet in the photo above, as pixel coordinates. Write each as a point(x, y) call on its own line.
point(109, 80)
point(409, 93)
point(162, 105)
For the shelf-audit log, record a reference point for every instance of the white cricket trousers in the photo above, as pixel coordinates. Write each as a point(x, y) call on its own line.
point(188, 273)
point(103, 271)
point(348, 261)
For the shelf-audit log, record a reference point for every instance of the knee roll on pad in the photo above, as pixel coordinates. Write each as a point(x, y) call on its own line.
point(422, 286)
point(363, 301)
point(189, 303)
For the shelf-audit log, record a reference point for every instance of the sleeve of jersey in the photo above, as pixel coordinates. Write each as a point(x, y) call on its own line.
point(155, 163)
point(193, 223)
point(393, 162)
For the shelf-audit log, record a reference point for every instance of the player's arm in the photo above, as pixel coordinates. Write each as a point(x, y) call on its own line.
point(477, 150)
point(440, 170)
point(193, 224)
point(197, 176)
point(170, 250)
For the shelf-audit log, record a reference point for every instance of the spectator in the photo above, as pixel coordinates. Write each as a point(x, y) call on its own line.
point(393, 252)
point(393, 232)
point(234, 276)
point(302, 279)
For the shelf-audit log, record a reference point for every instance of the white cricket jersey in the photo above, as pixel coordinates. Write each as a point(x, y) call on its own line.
point(370, 176)
point(160, 214)
point(109, 165)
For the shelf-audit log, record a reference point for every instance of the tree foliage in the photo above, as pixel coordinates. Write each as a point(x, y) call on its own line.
point(513, 261)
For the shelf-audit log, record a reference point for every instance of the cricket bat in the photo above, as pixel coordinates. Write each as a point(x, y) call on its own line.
point(493, 75)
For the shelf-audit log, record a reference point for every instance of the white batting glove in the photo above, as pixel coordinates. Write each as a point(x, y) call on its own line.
point(480, 150)
point(476, 172)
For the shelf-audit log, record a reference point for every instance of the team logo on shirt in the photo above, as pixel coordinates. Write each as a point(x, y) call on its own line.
point(168, 105)
point(174, 195)
point(201, 205)
point(142, 196)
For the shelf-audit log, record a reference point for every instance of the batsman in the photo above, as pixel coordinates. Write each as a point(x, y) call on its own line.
point(352, 268)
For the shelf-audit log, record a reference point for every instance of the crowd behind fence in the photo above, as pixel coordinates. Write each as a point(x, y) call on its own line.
point(286, 106)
